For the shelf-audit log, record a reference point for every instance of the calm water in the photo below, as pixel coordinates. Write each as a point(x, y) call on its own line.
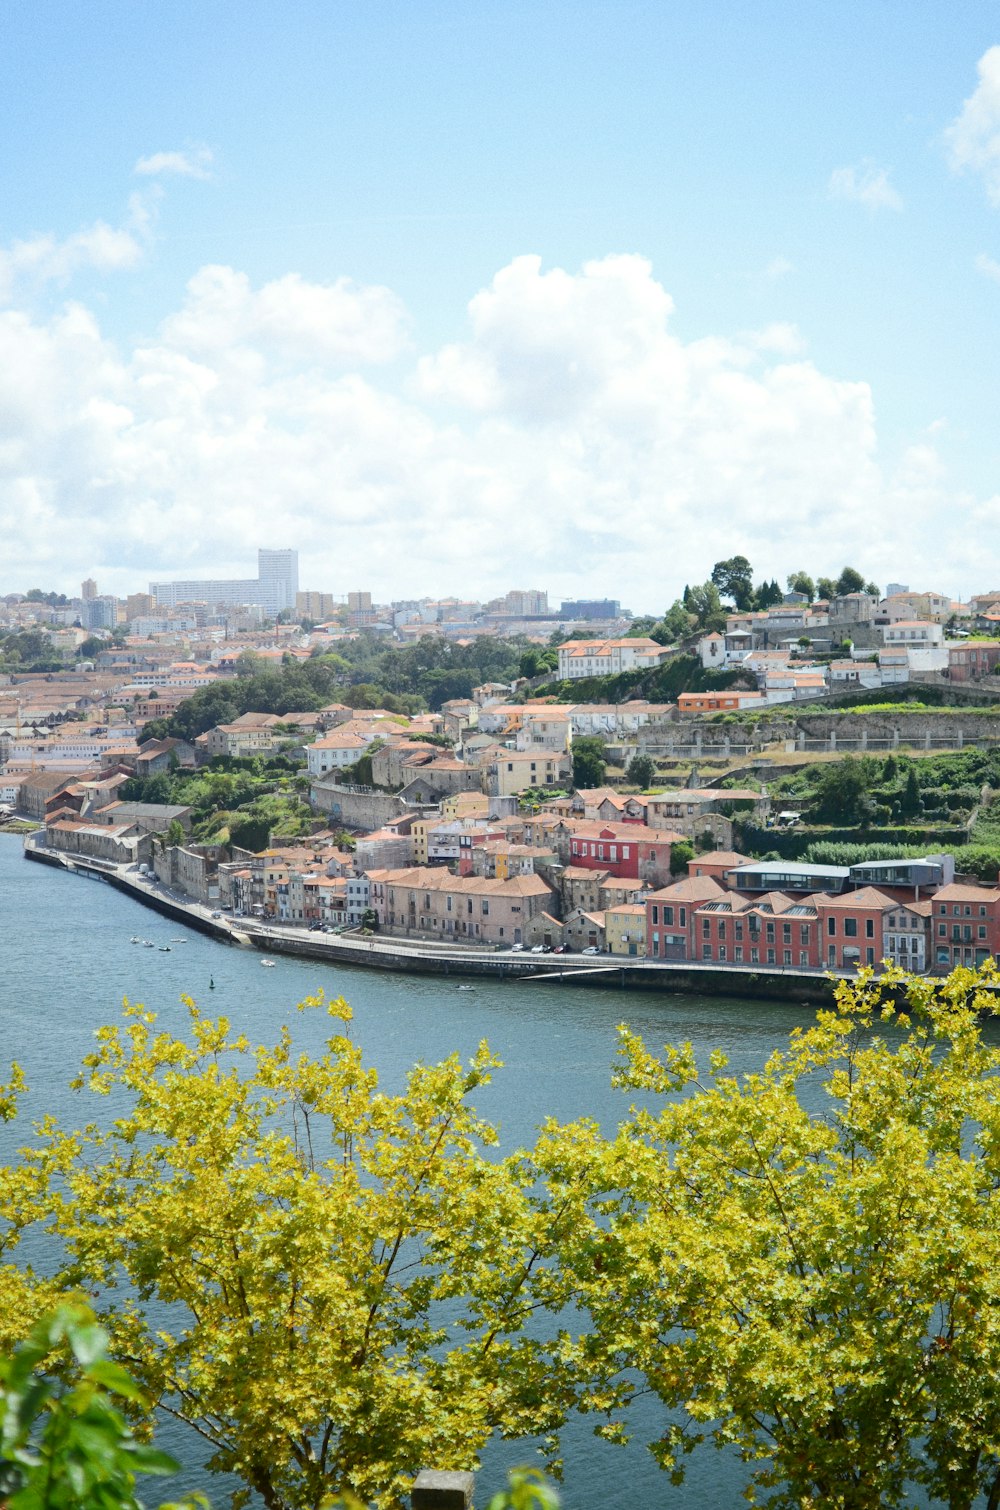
point(66, 964)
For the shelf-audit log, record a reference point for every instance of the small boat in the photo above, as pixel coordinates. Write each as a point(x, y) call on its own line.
point(148, 944)
point(211, 982)
point(178, 941)
point(163, 948)
point(466, 988)
point(135, 939)
point(268, 964)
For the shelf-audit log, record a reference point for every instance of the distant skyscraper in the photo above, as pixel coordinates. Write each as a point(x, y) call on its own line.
point(274, 588)
point(99, 613)
point(88, 590)
point(278, 574)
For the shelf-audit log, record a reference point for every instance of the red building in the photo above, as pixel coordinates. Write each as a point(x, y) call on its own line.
point(670, 913)
point(773, 929)
point(851, 926)
point(965, 925)
point(627, 850)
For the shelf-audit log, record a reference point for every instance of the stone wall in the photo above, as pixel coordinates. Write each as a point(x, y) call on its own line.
point(362, 808)
point(815, 733)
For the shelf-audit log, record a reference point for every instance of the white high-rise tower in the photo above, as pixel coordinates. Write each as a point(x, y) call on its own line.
point(278, 574)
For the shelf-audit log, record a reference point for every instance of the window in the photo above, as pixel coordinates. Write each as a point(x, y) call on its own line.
point(739, 928)
point(850, 928)
point(682, 917)
point(706, 928)
point(706, 951)
point(722, 952)
point(869, 928)
point(668, 916)
point(786, 934)
point(486, 908)
point(982, 930)
point(722, 928)
point(738, 954)
point(786, 956)
point(803, 933)
point(803, 957)
point(869, 956)
point(755, 956)
point(656, 914)
point(942, 928)
point(770, 933)
point(831, 926)
point(770, 956)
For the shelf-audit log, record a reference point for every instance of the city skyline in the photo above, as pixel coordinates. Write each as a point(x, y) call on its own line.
point(452, 299)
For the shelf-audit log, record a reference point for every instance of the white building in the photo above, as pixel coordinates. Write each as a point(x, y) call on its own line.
point(273, 589)
point(581, 658)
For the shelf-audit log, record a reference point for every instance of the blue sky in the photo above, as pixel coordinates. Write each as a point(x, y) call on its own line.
point(459, 297)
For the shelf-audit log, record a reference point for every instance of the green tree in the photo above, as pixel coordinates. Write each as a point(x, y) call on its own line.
point(251, 831)
point(641, 771)
point(910, 802)
point(677, 622)
point(826, 588)
point(802, 1262)
point(65, 1443)
point(841, 792)
point(734, 580)
point(850, 581)
point(590, 761)
point(705, 605)
point(327, 1280)
point(681, 855)
point(768, 594)
point(175, 833)
point(800, 581)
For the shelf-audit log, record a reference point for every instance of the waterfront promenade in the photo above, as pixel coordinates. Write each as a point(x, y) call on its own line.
point(811, 988)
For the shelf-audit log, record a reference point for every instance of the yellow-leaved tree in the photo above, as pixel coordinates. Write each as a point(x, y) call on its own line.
point(328, 1282)
point(804, 1262)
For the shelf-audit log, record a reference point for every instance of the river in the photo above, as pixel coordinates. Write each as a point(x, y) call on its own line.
point(66, 964)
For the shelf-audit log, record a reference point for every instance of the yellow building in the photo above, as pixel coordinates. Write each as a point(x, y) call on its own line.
point(625, 930)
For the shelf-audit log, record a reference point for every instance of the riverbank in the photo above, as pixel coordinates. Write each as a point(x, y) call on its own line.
point(396, 955)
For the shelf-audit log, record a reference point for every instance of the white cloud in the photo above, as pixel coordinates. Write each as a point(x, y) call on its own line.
point(45, 258)
point(303, 322)
point(572, 438)
point(195, 163)
point(781, 338)
point(865, 184)
point(988, 266)
point(973, 138)
point(778, 268)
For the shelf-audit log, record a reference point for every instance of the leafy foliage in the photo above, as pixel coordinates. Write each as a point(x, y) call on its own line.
point(641, 771)
point(328, 1281)
point(64, 1441)
point(590, 761)
point(802, 1263)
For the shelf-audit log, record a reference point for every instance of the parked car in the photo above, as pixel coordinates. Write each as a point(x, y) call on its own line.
point(516, 948)
point(591, 949)
point(538, 949)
